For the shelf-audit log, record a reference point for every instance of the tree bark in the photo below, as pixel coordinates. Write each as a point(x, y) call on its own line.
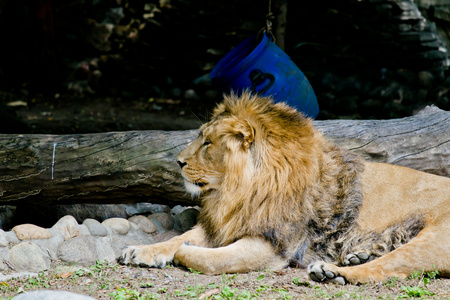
point(140, 166)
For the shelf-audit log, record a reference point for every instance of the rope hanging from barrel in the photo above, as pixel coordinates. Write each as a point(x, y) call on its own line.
point(269, 18)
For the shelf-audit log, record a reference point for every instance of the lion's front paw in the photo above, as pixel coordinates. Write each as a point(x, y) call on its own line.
point(357, 258)
point(321, 271)
point(145, 256)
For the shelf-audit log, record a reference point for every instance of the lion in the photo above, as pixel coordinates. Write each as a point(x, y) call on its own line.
point(276, 193)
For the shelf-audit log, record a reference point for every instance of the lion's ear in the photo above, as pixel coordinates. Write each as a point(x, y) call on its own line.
point(244, 132)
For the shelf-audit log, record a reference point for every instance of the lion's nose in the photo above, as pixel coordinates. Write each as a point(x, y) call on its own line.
point(181, 164)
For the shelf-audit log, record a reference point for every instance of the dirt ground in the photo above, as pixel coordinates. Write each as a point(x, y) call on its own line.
point(81, 115)
point(114, 281)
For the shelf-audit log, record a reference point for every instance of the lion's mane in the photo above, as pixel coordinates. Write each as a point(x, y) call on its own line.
point(292, 187)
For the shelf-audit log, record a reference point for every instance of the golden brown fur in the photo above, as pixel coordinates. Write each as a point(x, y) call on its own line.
point(276, 192)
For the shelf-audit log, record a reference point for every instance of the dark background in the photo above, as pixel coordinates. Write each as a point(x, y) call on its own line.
point(100, 65)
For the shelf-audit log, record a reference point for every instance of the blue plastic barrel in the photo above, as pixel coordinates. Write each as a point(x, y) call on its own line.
point(265, 69)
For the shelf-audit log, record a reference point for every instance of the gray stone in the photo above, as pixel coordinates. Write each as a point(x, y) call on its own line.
point(28, 256)
point(177, 209)
point(4, 258)
point(425, 79)
point(176, 224)
point(144, 223)
point(83, 230)
point(158, 225)
point(3, 240)
point(51, 245)
point(51, 295)
point(85, 211)
point(95, 228)
point(145, 208)
point(118, 225)
point(68, 226)
point(165, 219)
point(118, 243)
point(166, 236)
point(137, 234)
point(11, 237)
point(80, 250)
point(104, 249)
point(188, 218)
point(109, 231)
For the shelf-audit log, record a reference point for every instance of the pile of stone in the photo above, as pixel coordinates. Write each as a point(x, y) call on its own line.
point(31, 248)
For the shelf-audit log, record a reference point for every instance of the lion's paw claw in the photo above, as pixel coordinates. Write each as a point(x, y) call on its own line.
point(357, 258)
point(143, 256)
point(318, 271)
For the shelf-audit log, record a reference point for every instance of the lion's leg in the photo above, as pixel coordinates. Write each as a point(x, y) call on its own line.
point(427, 251)
point(247, 254)
point(158, 255)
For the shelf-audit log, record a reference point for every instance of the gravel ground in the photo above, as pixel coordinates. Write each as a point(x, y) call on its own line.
point(114, 281)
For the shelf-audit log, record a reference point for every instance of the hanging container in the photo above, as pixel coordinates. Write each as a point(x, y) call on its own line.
point(262, 67)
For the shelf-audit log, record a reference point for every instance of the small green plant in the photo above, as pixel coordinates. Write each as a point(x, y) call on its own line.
point(297, 281)
point(39, 281)
point(191, 291)
point(194, 271)
point(391, 282)
point(229, 293)
point(100, 265)
point(418, 291)
point(415, 291)
point(128, 294)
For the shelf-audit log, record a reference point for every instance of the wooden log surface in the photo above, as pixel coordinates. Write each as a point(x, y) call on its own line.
point(139, 166)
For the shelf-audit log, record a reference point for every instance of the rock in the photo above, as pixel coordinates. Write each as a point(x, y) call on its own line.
point(68, 226)
point(159, 227)
point(80, 249)
point(176, 224)
point(51, 245)
point(28, 256)
point(3, 240)
point(51, 295)
point(118, 243)
point(164, 219)
point(118, 225)
point(143, 223)
point(6, 213)
point(83, 230)
point(11, 237)
point(145, 208)
point(166, 236)
point(5, 256)
point(188, 218)
point(99, 212)
point(95, 228)
point(31, 232)
point(136, 233)
point(104, 249)
point(178, 209)
point(425, 79)
point(190, 94)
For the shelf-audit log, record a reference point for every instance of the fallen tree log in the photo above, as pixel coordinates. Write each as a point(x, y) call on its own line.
point(139, 166)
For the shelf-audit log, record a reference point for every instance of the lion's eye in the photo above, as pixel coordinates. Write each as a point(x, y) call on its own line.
point(207, 142)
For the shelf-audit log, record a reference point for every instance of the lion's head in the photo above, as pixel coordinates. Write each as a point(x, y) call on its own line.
point(238, 143)
point(250, 163)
